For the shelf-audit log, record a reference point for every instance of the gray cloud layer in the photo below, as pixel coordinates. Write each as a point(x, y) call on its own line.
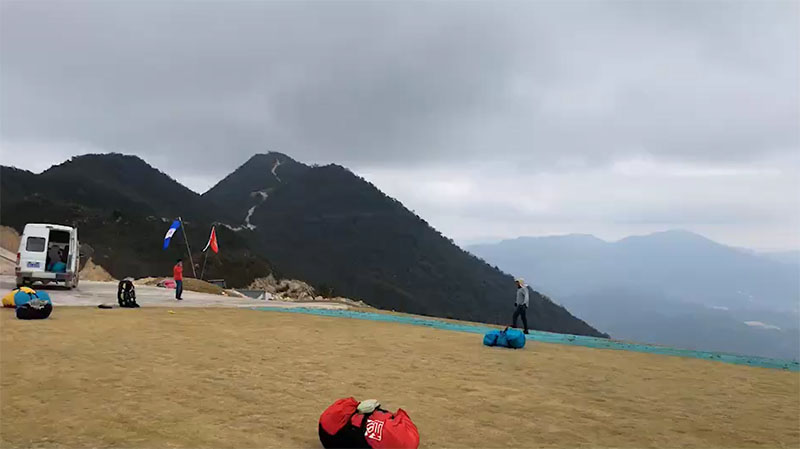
point(525, 91)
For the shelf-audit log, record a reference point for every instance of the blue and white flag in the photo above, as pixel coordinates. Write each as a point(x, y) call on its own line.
point(175, 225)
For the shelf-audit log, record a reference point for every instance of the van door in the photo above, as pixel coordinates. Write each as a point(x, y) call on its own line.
point(33, 249)
point(74, 257)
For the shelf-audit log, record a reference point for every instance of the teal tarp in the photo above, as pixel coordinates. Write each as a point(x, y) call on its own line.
point(547, 337)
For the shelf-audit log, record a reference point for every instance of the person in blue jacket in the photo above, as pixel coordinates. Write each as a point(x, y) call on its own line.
point(521, 304)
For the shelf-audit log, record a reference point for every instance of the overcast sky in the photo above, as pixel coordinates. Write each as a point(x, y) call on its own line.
point(490, 120)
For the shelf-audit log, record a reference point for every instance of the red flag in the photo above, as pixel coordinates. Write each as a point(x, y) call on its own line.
point(212, 241)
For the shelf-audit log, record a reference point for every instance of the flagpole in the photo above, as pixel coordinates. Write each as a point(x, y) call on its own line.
point(186, 239)
point(205, 257)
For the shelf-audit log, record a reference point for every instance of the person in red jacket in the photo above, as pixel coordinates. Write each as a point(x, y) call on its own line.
point(177, 274)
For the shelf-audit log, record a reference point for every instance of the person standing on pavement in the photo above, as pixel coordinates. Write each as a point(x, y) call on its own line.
point(177, 274)
point(521, 304)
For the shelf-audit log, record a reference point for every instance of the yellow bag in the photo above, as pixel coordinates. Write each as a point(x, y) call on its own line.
point(8, 300)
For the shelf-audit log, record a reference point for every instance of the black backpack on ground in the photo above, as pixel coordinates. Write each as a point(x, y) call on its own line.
point(126, 294)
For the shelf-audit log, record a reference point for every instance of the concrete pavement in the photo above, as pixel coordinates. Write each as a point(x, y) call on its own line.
point(93, 293)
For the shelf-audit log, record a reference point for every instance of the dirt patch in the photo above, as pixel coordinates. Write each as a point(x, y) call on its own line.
point(196, 285)
point(240, 378)
point(148, 281)
point(94, 272)
point(189, 284)
point(9, 239)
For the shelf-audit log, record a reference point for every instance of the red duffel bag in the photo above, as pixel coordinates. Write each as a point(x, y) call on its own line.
point(343, 425)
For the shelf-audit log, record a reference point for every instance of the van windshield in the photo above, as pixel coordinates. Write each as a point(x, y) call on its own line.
point(35, 244)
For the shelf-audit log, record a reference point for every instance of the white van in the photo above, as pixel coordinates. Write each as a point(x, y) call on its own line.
point(48, 253)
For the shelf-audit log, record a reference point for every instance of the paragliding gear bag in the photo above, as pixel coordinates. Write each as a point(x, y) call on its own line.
point(342, 426)
point(507, 338)
point(349, 436)
point(126, 294)
point(35, 308)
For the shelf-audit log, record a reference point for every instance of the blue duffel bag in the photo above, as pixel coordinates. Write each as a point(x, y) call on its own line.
point(515, 338)
point(490, 339)
point(507, 338)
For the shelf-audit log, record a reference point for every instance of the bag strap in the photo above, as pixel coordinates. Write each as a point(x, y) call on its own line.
point(363, 427)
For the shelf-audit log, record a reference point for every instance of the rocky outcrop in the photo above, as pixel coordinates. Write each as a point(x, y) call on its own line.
point(296, 291)
point(284, 289)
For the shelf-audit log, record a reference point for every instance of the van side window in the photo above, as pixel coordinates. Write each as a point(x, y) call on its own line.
point(35, 244)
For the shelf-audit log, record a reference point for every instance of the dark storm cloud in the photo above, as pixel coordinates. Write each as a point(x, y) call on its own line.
point(372, 83)
point(345, 82)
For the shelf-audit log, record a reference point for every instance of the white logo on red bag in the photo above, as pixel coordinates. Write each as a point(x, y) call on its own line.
point(374, 430)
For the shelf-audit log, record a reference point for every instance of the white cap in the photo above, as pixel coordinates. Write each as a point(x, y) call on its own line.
point(368, 406)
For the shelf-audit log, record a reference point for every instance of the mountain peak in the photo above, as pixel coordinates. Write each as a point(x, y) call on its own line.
point(116, 181)
point(15, 169)
point(671, 236)
point(260, 174)
point(572, 237)
point(113, 159)
point(567, 240)
point(679, 233)
point(268, 158)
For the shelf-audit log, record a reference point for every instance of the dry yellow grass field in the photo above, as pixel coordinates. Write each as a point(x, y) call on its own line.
point(245, 379)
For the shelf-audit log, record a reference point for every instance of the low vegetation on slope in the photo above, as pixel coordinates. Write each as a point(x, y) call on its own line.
point(120, 228)
point(338, 232)
point(323, 225)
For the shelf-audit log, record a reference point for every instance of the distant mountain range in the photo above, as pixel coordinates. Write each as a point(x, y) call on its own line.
point(790, 257)
point(274, 215)
point(675, 287)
